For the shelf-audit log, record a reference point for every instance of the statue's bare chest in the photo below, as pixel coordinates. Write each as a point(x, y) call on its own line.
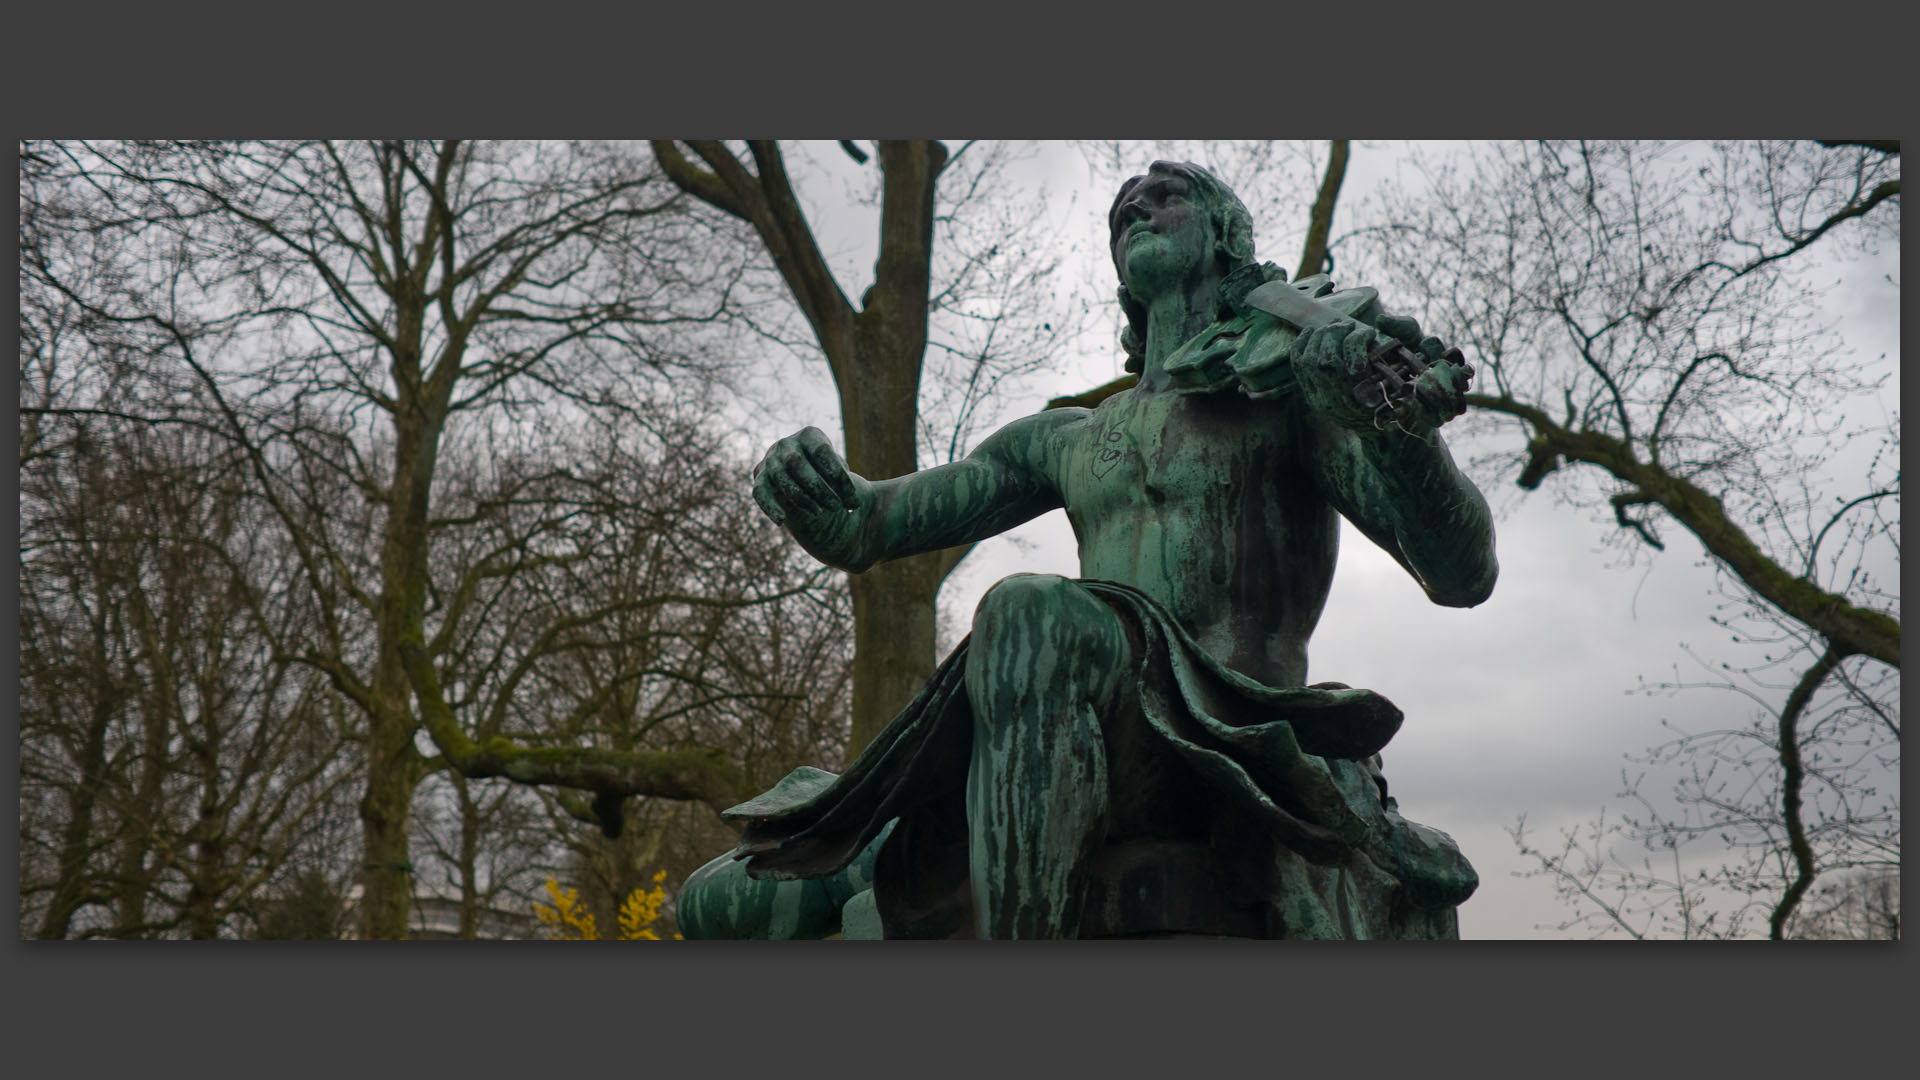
point(1177, 454)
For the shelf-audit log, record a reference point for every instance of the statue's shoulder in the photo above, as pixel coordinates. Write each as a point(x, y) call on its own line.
point(1050, 424)
point(1037, 442)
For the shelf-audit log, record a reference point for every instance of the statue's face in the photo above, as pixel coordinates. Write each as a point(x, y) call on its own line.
point(1163, 235)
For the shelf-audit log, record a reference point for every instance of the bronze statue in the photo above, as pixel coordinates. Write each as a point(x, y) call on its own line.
point(1137, 751)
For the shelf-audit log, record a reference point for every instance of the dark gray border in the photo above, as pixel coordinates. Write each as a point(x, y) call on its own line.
point(1024, 71)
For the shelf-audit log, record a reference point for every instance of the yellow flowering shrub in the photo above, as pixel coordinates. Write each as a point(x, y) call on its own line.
point(569, 920)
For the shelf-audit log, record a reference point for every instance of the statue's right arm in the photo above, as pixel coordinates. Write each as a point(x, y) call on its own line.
point(851, 523)
point(1397, 484)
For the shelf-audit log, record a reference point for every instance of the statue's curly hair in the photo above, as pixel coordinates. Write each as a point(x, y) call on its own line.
point(1231, 223)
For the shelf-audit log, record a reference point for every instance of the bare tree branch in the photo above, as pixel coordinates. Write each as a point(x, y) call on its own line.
point(1790, 796)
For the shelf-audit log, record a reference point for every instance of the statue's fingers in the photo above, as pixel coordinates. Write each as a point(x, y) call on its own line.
point(1314, 345)
point(793, 500)
point(1457, 380)
point(1443, 389)
point(1307, 345)
point(777, 453)
point(763, 494)
point(1432, 348)
point(1322, 346)
point(798, 468)
point(832, 469)
point(1356, 344)
point(1403, 327)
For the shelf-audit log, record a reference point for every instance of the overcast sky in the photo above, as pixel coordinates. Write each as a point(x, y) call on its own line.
point(1521, 706)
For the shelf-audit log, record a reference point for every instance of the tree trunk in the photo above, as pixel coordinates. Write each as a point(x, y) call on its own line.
point(875, 354)
point(76, 841)
point(203, 895)
point(471, 826)
point(893, 639)
point(894, 602)
point(385, 809)
point(1320, 223)
point(136, 872)
point(393, 764)
point(894, 610)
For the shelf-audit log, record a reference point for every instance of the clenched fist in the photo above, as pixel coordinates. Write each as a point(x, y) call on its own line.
point(805, 486)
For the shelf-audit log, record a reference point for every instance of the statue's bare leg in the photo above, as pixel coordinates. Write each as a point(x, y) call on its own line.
point(1046, 661)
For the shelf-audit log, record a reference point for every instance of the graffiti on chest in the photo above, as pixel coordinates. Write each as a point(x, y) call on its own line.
point(1107, 453)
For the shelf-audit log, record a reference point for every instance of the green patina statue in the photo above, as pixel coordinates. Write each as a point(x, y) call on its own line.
point(1137, 752)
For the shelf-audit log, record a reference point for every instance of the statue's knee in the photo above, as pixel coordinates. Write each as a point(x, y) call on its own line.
point(1045, 604)
point(1016, 596)
point(1033, 621)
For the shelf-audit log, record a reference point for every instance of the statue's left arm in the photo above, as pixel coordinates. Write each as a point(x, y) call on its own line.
point(851, 523)
point(1396, 482)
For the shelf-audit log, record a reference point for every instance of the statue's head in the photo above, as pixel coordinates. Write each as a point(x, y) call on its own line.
point(1230, 226)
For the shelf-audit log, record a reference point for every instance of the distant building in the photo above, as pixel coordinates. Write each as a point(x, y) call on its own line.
point(435, 916)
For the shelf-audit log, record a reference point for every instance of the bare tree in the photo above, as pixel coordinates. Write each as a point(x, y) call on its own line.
point(483, 844)
point(1808, 787)
point(765, 683)
point(1646, 324)
point(339, 312)
point(173, 769)
point(1855, 907)
point(310, 906)
point(670, 619)
point(960, 270)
